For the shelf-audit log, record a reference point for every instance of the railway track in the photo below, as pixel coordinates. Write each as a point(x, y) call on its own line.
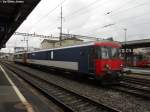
point(66, 99)
point(134, 89)
point(142, 71)
point(144, 82)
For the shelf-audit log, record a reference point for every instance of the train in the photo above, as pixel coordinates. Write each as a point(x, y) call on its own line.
point(138, 60)
point(99, 60)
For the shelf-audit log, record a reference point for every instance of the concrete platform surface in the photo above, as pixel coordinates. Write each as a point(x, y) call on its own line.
point(11, 100)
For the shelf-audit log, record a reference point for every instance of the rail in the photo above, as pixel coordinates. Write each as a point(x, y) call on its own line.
point(67, 99)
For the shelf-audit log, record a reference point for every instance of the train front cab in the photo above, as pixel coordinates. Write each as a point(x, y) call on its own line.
point(105, 61)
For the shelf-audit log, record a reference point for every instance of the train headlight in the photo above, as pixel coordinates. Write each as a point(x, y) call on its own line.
point(107, 67)
point(121, 65)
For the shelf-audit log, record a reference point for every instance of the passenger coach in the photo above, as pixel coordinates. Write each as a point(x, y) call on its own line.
point(100, 60)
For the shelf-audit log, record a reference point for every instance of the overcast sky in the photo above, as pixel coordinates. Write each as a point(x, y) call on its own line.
point(98, 18)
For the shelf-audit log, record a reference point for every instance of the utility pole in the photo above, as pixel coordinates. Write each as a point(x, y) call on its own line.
point(27, 44)
point(60, 39)
point(125, 55)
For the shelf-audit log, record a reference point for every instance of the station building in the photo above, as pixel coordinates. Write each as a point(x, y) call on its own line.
point(47, 44)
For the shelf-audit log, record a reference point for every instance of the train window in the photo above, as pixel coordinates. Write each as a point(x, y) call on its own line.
point(52, 54)
point(115, 52)
point(105, 53)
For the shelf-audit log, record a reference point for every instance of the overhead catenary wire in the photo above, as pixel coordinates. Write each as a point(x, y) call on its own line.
point(120, 7)
point(131, 35)
point(43, 17)
point(126, 9)
point(79, 10)
point(110, 33)
point(117, 9)
point(83, 8)
point(136, 6)
point(111, 24)
point(131, 18)
point(83, 13)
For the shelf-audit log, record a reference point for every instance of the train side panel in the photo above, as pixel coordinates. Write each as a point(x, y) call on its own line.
point(75, 59)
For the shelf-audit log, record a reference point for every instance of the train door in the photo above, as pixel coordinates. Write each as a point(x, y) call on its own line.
point(91, 59)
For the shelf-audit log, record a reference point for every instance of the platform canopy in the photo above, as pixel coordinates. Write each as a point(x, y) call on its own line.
point(12, 15)
point(137, 43)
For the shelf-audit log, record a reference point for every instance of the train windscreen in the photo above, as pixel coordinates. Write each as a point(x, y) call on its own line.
point(115, 53)
point(107, 53)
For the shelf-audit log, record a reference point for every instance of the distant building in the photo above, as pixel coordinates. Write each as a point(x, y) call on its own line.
point(24, 49)
point(69, 41)
point(46, 44)
point(19, 49)
point(89, 38)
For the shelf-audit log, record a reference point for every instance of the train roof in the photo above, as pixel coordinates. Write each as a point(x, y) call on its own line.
point(112, 44)
point(102, 43)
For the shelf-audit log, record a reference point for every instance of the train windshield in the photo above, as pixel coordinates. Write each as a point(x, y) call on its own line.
point(115, 53)
point(107, 53)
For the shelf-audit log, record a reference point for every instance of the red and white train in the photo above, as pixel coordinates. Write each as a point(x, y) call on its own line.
point(100, 60)
point(138, 60)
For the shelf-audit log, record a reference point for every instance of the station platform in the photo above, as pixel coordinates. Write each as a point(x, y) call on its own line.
point(16, 95)
point(139, 76)
point(11, 100)
point(138, 71)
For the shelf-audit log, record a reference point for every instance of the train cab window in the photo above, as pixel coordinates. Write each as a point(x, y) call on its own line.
point(115, 52)
point(105, 53)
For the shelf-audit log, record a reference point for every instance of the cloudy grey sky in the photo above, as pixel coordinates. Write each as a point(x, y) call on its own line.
point(98, 18)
